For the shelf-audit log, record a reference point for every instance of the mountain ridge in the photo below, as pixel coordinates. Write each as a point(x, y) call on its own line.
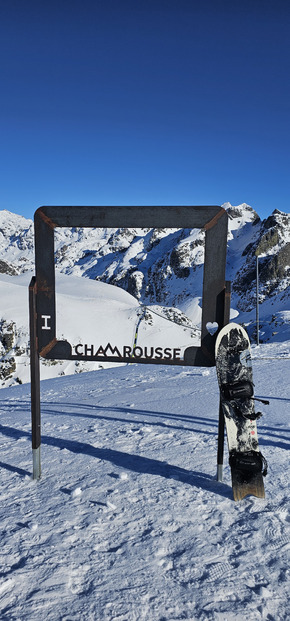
point(154, 265)
point(163, 268)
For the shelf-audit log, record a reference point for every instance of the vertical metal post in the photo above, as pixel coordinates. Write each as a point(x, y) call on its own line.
point(220, 452)
point(35, 380)
point(221, 424)
point(257, 297)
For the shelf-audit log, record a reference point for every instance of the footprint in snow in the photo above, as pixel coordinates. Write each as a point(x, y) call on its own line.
point(279, 542)
point(77, 581)
point(218, 571)
point(163, 559)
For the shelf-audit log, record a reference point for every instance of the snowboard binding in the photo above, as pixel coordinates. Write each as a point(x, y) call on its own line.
point(238, 390)
point(248, 463)
point(242, 390)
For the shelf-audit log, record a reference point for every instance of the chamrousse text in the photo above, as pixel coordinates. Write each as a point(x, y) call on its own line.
point(126, 351)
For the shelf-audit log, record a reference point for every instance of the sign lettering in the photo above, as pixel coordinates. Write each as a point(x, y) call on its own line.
point(126, 351)
point(45, 319)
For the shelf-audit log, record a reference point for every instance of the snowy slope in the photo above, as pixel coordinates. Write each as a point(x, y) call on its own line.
point(87, 312)
point(128, 522)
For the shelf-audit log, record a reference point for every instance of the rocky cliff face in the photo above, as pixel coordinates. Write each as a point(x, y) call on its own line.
point(16, 244)
point(11, 347)
point(271, 243)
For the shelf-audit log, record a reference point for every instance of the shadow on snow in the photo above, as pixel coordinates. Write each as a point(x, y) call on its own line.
point(135, 463)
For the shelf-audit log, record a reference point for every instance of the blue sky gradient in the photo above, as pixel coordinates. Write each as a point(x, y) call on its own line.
point(144, 102)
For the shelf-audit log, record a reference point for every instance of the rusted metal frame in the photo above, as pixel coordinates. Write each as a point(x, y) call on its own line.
point(212, 219)
point(45, 278)
point(193, 356)
point(214, 281)
point(161, 216)
point(221, 423)
point(61, 352)
point(34, 381)
point(42, 307)
point(213, 291)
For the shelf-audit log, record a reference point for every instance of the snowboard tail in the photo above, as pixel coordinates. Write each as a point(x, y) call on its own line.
point(248, 469)
point(242, 488)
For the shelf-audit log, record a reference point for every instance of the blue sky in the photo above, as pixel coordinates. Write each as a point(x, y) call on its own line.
point(144, 102)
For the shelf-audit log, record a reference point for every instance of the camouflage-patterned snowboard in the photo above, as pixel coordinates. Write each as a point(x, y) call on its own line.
point(235, 378)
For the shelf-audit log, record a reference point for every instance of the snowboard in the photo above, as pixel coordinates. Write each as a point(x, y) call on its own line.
point(235, 378)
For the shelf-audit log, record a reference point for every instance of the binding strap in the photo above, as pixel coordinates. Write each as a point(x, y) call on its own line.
point(238, 390)
point(241, 390)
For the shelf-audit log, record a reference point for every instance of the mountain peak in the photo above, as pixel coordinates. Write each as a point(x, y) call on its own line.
point(241, 211)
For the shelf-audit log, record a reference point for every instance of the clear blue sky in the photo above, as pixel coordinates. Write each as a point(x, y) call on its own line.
point(144, 102)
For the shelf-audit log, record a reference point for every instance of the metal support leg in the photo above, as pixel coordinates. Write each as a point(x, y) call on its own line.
point(35, 382)
point(36, 463)
point(221, 435)
point(221, 424)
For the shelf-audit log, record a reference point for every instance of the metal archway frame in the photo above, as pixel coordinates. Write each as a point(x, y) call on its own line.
point(212, 219)
point(215, 295)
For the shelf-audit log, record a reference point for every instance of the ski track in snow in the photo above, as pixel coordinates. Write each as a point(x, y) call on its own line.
point(128, 522)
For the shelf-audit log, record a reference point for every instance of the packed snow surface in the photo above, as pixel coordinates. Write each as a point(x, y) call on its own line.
point(128, 522)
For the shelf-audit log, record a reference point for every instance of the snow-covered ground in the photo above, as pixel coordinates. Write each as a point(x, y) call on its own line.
point(128, 522)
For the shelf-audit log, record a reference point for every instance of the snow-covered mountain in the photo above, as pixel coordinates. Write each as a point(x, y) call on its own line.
point(161, 269)
point(160, 265)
